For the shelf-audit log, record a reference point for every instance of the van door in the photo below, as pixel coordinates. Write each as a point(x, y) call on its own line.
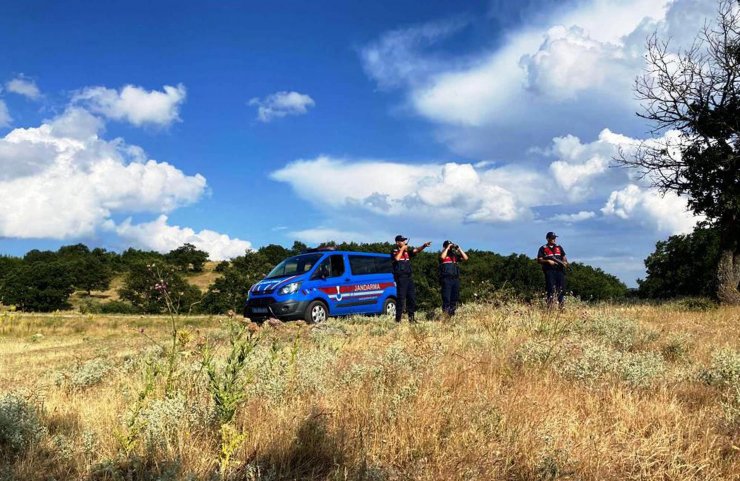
point(371, 283)
point(332, 279)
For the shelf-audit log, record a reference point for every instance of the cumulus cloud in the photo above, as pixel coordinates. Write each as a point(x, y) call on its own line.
point(5, 118)
point(158, 235)
point(570, 61)
point(23, 86)
point(62, 180)
point(582, 170)
point(668, 213)
point(577, 217)
point(281, 104)
point(134, 104)
point(452, 190)
point(574, 67)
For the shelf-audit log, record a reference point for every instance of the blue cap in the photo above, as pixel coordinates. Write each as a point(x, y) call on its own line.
point(551, 235)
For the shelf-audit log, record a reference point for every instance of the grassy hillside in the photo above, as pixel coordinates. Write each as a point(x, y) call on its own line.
point(509, 393)
point(201, 280)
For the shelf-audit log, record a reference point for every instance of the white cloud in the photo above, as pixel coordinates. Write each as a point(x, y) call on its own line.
point(396, 57)
point(281, 104)
point(23, 86)
point(668, 213)
point(569, 61)
point(582, 170)
point(134, 104)
point(320, 235)
point(61, 180)
point(158, 235)
point(443, 191)
point(576, 65)
point(578, 217)
point(5, 118)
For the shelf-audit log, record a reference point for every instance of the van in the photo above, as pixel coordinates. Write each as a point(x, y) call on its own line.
point(321, 283)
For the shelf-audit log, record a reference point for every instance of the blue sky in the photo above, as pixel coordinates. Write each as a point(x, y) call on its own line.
point(237, 124)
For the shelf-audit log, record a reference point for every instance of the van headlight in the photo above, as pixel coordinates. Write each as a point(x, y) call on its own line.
point(289, 288)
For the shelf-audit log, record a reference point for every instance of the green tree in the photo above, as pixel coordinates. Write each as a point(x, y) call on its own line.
point(697, 93)
point(229, 292)
point(133, 256)
point(683, 265)
point(593, 284)
point(187, 258)
point(37, 286)
point(274, 253)
point(143, 285)
point(90, 271)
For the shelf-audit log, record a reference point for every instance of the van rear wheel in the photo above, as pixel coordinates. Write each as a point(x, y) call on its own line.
point(389, 307)
point(316, 312)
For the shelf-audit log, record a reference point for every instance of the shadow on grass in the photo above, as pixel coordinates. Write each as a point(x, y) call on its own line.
point(313, 454)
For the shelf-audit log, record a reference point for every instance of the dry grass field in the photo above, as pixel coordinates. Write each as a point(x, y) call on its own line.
point(510, 392)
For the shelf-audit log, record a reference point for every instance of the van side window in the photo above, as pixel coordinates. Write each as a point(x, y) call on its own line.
point(337, 265)
point(369, 264)
point(332, 266)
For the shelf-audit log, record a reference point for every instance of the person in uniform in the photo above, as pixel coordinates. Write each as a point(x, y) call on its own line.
point(449, 275)
point(551, 257)
point(405, 289)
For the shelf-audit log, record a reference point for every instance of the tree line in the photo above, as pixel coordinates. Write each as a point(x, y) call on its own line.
point(42, 281)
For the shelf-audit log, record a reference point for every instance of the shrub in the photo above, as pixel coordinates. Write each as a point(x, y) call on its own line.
point(639, 369)
point(87, 374)
point(676, 347)
point(594, 362)
point(119, 307)
point(20, 425)
point(533, 352)
point(623, 334)
point(162, 420)
point(695, 304)
point(599, 362)
point(723, 370)
point(89, 306)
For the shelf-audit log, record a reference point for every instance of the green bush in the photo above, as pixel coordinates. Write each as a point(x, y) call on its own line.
point(119, 307)
point(20, 424)
point(695, 304)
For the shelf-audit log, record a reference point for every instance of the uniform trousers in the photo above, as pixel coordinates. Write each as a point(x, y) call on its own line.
point(406, 294)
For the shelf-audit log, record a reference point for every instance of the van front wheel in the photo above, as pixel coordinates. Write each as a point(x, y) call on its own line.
point(316, 312)
point(389, 307)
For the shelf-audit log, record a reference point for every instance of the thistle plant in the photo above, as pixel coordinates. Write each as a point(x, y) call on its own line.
point(227, 386)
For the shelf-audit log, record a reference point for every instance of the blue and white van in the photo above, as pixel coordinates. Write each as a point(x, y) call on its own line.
point(321, 283)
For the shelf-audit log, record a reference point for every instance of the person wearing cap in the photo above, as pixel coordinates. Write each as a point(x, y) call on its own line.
point(405, 289)
point(551, 257)
point(449, 275)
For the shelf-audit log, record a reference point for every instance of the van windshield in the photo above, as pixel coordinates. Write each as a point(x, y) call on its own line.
point(293, 266)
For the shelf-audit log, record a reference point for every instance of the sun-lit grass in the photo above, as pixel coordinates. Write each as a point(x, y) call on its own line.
point(511, 393)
